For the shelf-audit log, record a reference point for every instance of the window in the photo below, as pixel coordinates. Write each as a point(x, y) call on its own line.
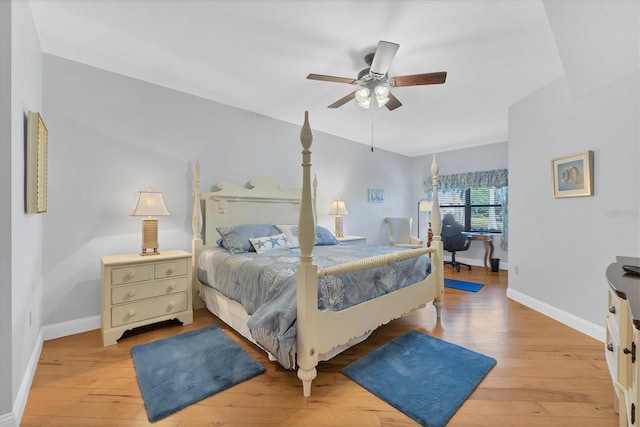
point(479, 209)
point(478, 200)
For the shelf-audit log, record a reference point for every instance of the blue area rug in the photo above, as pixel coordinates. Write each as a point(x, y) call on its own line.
point(463, 286)
point(426, 378)
point(177, 371)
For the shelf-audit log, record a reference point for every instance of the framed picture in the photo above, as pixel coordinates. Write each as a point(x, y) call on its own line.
point(36, 170)
point(376, 195)
point(572, 175)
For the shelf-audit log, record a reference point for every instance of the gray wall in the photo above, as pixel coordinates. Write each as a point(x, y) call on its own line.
point(111, 136)
point(20, 233)
point(475, 159)
point(559, 248)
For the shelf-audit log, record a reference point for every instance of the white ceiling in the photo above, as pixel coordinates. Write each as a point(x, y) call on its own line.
point(256, 54)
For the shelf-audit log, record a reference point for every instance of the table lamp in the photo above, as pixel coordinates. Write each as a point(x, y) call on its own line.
point(338, 208)
point(149, 204)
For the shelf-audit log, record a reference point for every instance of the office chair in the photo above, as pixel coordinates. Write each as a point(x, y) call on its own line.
point(400, 233)
point(454, 239)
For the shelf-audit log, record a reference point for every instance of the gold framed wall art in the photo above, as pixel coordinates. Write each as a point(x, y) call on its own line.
point(36, 164)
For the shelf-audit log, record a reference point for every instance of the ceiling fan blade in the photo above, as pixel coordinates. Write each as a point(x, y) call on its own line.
point(419, 79)
point(340, 102)
point(324, 78)
point(392, 103)
point(385, 52)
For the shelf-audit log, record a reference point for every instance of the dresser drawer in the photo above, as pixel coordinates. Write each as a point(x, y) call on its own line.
point(131, 274)
point(135, 292)
point(612, 350)
point(148, 308)
point(617, 308)
point(171, 269)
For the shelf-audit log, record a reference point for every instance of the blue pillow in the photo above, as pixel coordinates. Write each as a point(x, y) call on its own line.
point(324, 237)
point(237, 237)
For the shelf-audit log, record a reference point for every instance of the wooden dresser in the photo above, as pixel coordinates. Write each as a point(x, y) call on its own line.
point(623, 337)
point(140, 290)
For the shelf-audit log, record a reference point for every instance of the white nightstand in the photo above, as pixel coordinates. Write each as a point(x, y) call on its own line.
point(140, 290)
point(352, 240)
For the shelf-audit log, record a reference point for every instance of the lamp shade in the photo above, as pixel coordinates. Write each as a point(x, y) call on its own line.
point(338, 208)
point(149, 203)
point(425, 206)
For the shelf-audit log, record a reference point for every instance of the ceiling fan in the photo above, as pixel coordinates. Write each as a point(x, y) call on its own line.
point(374, 79)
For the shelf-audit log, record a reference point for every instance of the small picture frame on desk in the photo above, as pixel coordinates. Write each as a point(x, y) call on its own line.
point(572, 175)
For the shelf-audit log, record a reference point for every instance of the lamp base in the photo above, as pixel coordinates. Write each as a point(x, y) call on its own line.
point(339, 230)
point(154, 252)
point(149, 237)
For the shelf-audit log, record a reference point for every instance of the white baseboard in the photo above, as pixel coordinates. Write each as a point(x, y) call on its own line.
point(48, 332)
point(591, 329)
point(71, 327)
point(25, 386)
point(8, 420)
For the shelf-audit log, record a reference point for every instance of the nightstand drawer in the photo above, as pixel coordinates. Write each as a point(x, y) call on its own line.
point(147, 309)
point(131, 274)
point(124, 294)
point(171, 269)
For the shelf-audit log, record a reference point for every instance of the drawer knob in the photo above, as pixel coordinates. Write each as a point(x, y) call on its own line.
point(131, 274)
point(172, 269)
point(131, 312)
point(610, 347)
point(612, 309)
point(132, 292)
point(626, 351)
point(172, 304)
point(172, 286)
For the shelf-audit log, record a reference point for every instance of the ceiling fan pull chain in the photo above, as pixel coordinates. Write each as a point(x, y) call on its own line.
point(372, 130)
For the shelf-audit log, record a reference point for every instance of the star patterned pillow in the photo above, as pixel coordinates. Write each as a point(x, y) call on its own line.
point(264, 244)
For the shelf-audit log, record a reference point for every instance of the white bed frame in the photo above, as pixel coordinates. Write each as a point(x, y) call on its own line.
point(318, 332)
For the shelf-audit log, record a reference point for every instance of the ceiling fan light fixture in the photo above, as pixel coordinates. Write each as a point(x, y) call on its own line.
point(382, 94)
point(363, 98)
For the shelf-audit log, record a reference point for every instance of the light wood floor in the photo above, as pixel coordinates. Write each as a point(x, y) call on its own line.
point(547, 375)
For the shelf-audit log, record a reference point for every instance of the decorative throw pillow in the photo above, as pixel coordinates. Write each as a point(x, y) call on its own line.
point(267, 243)
point(291, 231)
point(323, 235)
point(236, 238)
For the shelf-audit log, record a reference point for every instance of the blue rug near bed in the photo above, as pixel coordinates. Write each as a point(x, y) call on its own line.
point(424, 377)
point(463, 286)
point(178, 371)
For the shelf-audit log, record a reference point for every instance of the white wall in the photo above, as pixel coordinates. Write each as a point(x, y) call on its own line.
point(559, 248)
point(6, 397)
point(22, 280)
point(110, 136)
point(476, 159)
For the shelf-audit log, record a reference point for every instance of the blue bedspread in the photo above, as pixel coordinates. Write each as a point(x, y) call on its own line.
point(265, 285)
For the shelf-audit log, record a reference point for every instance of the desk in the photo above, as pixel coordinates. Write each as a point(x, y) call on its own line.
point(488, 245)
point(487, 238)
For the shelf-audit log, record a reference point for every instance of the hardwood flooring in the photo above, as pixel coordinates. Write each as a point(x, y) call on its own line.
point(547, 375)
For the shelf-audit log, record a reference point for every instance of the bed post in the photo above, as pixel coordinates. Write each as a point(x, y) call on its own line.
point(196, 242)
point(436, 242)
point(307, 273)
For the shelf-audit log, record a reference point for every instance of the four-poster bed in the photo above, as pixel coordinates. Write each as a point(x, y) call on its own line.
point(404, 279)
